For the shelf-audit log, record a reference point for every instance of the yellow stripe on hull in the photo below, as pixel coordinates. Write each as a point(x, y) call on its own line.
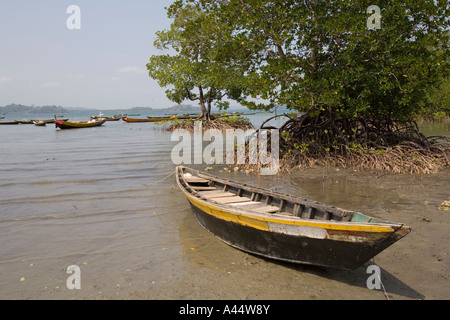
point(265, 223)
point(340, 243)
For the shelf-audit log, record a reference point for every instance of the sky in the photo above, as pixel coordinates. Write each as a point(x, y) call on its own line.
point(101, 65)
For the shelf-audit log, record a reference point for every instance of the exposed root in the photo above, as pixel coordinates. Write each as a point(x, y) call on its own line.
point(377, 144)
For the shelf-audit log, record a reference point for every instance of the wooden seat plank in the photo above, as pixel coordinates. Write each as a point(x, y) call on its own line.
point(203, 188)
point(231, 199)
point(196, 180)
point(266, 209)
point(218, 195)
point(203, 193)
point(245, 203)
point(284, 213)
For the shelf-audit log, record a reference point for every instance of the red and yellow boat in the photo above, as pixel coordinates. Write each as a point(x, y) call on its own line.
point(285, 227)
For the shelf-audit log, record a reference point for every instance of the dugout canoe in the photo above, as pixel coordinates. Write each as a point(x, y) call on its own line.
point(62, 124)
point(285, 227)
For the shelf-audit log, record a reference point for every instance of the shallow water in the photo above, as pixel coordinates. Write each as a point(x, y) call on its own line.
point(104, 199)
point(72, 196)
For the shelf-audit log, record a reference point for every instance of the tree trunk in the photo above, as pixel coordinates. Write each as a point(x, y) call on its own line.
point(205, 112)
point(209, 109)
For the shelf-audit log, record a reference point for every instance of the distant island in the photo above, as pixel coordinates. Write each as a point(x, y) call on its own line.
point(24, 109)
point(176, 108)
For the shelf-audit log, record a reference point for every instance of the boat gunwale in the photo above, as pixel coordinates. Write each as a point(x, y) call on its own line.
point(381, 226)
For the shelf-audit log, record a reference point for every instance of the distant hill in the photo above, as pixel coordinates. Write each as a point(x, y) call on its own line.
point(184, 108)
point(23, 109)
point(175, 108)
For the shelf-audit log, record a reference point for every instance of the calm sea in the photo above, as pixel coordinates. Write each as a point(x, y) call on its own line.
point(99, 198)
point(103, 199)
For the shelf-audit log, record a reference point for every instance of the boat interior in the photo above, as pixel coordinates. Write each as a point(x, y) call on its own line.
point(247, 198)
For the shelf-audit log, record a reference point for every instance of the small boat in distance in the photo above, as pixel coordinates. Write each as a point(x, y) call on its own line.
point(62, 124)
point(136, 120)
point(113, 118)
point(101, 116)
point(285, 227)
point(24, 121)
point(9, 122)
point(40, 123)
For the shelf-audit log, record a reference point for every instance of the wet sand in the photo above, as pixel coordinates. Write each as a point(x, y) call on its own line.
point(416, 267)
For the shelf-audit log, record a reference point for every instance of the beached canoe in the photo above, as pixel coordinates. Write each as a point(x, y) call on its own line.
point(78, 124)
point(285, 227)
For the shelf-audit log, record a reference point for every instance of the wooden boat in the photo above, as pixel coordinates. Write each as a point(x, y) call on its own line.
point(62, 124)
point(136, 120)
point(9, 122)
point(40, 123)
point(156, 119)
point(113, 118)
point(24, 121)
point(285, 227)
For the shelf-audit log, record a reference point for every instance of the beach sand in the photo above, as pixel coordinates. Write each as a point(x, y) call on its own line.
point(199, 266)
point(416, 267)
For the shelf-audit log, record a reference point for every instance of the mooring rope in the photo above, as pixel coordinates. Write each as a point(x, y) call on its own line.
point(147, 184)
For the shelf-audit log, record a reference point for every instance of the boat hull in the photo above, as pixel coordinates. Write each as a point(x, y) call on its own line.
point(292, 248)
point(334, 244)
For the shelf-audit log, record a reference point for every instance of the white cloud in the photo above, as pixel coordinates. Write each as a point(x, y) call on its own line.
point(5, 79)
point(136, 70)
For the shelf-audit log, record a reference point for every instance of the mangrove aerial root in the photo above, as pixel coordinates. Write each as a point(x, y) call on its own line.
point(373, 143)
